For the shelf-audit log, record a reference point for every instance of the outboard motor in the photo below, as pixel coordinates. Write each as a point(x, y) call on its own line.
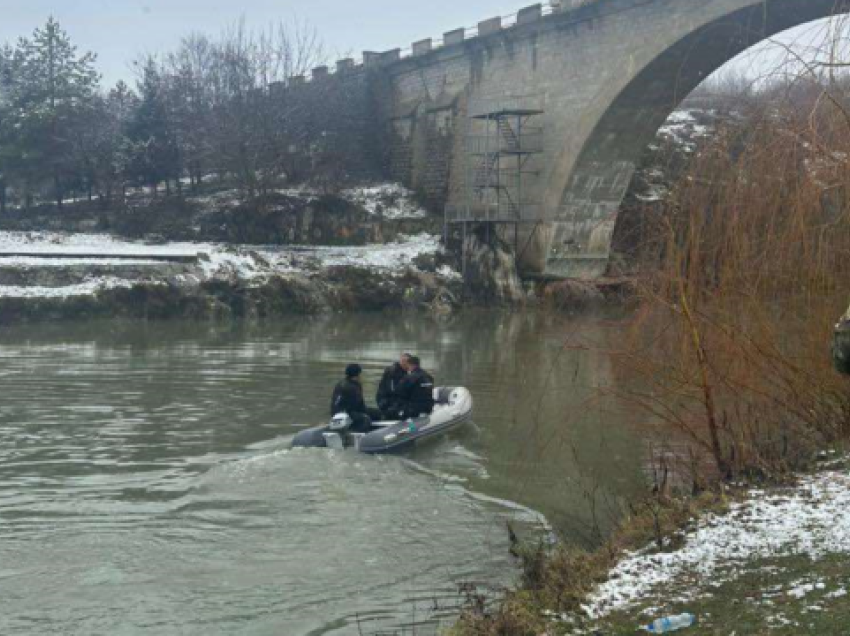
point(337, 430)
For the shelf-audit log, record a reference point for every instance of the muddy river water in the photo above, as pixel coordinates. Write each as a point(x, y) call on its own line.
point(146, 485)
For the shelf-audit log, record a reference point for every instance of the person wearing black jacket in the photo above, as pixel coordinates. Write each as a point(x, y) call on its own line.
point(416, 391)
point(387, 397)
point(348, 398)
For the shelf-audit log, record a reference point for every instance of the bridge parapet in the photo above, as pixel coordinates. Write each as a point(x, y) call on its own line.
point(485, 28)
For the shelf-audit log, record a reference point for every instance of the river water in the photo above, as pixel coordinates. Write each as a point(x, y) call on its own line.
point(146, 485)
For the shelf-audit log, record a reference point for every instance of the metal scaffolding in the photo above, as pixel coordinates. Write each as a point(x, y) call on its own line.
point(504, 144)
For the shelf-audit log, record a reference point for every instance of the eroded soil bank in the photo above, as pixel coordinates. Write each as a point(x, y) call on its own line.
point(339, 289)
point(56, 276)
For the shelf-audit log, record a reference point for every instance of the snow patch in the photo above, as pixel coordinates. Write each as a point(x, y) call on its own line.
point(389, 257)
point(252, 264)
point(448, 273)
point(46, 261)
point(812, 519)
point(83, 289)
point(683, 128)
point(47, 243)
point(388, 200)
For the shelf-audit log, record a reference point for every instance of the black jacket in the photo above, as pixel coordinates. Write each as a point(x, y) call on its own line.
point(387, 389)
point(416, 393)
point(348, 398)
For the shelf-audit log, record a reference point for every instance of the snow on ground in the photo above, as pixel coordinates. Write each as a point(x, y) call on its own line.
point(653, 194)
point(88, 288)
point(247, 262)
point(390, 200)
point(811, 520)
point(45, 243)
point(389, 256)
point(46, 261)
point(683, 128)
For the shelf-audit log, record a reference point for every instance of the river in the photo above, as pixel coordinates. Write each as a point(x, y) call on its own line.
point(146, 485)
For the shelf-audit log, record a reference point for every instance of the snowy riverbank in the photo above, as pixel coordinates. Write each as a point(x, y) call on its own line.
point(29, 251)
point(217, 213)
point(811, 520)
point(99, 273)
point(774, 562)
point(771, 560)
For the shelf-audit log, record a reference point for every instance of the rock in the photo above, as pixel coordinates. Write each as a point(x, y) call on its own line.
point(426, 263)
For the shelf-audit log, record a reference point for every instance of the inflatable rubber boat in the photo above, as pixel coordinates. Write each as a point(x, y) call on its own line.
point(452, 409)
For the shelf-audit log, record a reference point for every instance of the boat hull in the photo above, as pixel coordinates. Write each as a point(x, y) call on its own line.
point(453, 409)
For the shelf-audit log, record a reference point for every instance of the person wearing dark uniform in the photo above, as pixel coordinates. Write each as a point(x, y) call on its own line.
point(348, 398)
point(387, 397)
point(416, 391)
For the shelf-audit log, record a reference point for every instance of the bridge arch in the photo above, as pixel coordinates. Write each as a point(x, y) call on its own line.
point(591, 173)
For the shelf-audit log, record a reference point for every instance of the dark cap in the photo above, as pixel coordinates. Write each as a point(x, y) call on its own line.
point(353, 370)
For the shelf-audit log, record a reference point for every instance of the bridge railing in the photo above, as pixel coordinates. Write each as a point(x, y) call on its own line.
point(450, 38)
point(507, 22)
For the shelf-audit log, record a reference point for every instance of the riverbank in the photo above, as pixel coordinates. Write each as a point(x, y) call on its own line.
point(57, 275)
point(748, 561)
point(217, 213)
point(60, 275)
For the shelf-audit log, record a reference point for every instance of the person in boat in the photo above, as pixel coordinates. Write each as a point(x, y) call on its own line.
point(387, 397)
point(416, 391)
point(348, 398)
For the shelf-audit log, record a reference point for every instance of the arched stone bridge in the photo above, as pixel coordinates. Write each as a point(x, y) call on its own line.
point(607, 74)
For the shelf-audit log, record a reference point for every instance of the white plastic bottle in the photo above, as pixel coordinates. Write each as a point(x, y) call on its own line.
point(671, 624)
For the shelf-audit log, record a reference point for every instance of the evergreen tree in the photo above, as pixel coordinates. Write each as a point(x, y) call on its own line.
point(150, 131)
point(47, 84)
point(6, 151)
point(121, 106)
point(18, 153)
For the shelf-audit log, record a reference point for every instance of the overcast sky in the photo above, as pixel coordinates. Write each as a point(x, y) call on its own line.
point(119, 30)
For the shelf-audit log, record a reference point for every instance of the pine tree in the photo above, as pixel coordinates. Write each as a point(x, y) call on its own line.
point(155, 151)
point(46, 83)
point(62, 83)
point(6, 158)
point(121, 105)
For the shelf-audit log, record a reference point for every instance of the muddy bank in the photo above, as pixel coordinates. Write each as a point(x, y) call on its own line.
point(337, 289)
point(63, 276)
